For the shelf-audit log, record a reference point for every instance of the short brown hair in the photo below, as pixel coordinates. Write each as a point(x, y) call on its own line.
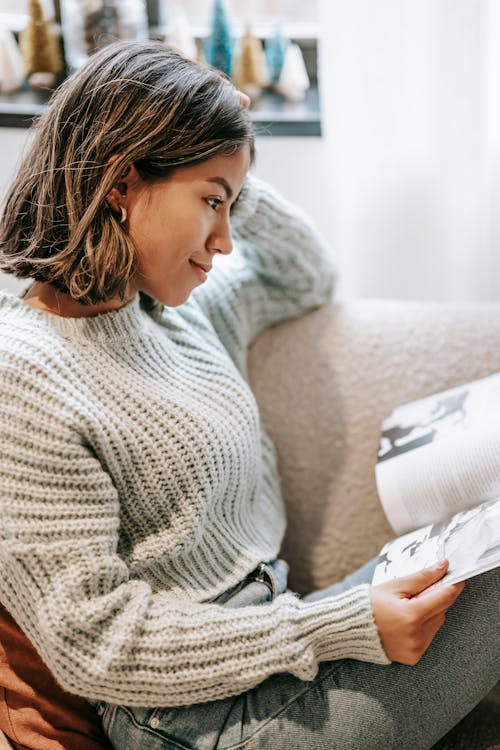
point(141, 101)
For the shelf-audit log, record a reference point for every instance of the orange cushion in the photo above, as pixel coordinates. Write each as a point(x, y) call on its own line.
point(35, 713)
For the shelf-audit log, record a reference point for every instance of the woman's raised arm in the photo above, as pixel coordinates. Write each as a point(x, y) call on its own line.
point(280, 268)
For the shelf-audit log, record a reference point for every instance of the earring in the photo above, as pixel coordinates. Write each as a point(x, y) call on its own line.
point(123, 217)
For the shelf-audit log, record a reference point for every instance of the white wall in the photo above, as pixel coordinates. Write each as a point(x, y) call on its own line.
point(411, 101)
point(12, 143)
point(298, 168)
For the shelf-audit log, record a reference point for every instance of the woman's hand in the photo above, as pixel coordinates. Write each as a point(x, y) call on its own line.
point(407, 616)
point(244, 99)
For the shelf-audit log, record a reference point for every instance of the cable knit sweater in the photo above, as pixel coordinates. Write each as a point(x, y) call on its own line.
point(137, 483)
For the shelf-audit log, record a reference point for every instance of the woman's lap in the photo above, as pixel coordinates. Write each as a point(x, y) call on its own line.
point(358, 706)
point(351, 705)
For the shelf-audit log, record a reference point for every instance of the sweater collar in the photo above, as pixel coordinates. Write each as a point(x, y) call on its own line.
point(128, 321)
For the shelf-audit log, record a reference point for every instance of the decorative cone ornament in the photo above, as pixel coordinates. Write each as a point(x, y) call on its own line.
point(293, 81)
point(12, 70)
point(39, 48)
point(219, 45)
point(249, 67)
point(181, 36)
point(276, 47)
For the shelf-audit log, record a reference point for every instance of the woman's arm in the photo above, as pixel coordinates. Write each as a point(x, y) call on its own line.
point(104, 634)
point(280, 268)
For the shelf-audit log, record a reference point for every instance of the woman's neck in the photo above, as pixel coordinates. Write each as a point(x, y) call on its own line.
point(44, 296)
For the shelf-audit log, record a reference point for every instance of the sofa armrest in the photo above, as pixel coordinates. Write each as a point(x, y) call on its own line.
point(324, 383)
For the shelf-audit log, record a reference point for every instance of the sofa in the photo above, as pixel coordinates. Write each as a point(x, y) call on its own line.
point(324, 383)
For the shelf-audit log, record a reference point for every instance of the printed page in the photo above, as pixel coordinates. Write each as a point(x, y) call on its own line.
point(440, 455)
point(469, 540)
point(432, 483)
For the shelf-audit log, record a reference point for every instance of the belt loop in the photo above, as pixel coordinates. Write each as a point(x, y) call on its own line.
point(263, 575)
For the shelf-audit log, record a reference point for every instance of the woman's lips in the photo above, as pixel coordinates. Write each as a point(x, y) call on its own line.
point(201, 269)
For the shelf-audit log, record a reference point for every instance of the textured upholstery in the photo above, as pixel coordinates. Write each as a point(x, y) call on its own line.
point(324, 383)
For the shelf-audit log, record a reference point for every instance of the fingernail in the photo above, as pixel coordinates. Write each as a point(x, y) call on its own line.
point(441, 564)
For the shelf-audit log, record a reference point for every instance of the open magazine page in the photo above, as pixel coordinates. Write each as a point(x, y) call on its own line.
point(469, 540)
point(433, 482)
point(440, 455)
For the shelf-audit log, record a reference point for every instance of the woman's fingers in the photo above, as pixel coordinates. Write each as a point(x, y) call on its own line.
point(435, 601)
point(431, 628)
point(408, 614)
point(409, 586)
point(244, 98)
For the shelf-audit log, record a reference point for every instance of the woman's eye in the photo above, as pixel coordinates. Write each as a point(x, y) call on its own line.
point(214, 203)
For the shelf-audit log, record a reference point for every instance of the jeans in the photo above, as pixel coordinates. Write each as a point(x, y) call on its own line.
point(350, 705)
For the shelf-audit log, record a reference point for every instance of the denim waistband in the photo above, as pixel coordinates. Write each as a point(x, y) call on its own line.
point(261, 585)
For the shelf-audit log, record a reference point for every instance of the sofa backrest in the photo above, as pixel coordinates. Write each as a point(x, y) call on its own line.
point(324, 383)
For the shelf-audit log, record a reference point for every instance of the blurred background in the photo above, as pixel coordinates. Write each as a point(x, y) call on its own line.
point(380, 119)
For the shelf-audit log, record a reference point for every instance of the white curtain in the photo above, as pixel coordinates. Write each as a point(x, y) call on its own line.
point(411, 111)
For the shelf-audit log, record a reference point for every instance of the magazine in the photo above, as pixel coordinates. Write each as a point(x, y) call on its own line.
point(438, 478)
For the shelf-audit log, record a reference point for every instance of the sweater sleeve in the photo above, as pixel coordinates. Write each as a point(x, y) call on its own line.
point(280, 268)
point(102, 633)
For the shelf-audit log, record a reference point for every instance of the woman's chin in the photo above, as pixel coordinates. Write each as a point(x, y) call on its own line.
point(172, 298)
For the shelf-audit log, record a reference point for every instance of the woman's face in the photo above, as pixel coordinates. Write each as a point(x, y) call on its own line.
point(178, 225)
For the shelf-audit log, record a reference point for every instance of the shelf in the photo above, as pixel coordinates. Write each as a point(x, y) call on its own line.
point(18, 109)
point(272, 115)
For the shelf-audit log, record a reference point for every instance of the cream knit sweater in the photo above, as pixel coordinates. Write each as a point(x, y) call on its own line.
point(136, 483)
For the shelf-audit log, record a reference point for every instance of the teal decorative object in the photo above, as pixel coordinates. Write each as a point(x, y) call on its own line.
point(275, 51)
point(219, 45)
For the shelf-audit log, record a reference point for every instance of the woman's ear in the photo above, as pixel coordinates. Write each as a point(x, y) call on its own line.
point(114, 199)
point(120, 192)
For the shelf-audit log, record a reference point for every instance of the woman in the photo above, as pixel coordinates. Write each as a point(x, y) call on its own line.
point(140, 496)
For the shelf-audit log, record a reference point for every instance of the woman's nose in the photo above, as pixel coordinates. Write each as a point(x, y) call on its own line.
point(221, 241)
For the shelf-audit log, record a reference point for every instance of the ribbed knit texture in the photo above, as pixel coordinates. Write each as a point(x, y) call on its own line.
point(136, 483)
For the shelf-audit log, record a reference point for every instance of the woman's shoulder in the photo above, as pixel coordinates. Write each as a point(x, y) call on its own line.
point(15, 313)
point(25, 336)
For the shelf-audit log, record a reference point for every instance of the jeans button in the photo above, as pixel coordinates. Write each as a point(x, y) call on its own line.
point(154, 723)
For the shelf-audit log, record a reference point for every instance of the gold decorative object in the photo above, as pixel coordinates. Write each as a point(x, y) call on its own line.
point(39, 48)
point(249, 67)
